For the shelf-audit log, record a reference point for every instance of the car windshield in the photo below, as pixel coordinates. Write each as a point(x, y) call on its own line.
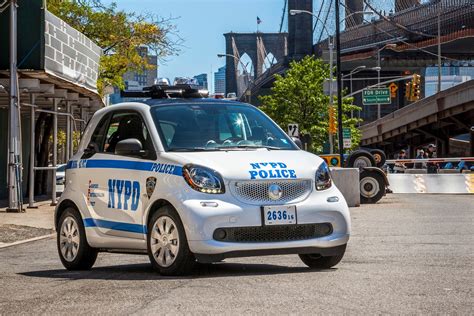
point(207, 127)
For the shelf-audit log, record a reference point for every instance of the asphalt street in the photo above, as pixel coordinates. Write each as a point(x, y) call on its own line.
point(408, 254)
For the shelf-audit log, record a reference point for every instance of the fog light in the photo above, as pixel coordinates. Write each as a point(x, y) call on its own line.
point(219, 234)
point(326, 229)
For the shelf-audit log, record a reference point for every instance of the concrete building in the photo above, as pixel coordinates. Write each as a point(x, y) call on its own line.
point(202, 81)
point(219, 80)
point(135, 80)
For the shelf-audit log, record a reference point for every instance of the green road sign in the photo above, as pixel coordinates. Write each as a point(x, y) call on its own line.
point(346, 132)
point(376, 96)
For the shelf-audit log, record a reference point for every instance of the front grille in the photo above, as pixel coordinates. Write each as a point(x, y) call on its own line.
point(272, 233)
point(256, 192)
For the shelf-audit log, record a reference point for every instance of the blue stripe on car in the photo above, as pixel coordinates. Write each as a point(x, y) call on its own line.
point(126, 227)
point(125, 164)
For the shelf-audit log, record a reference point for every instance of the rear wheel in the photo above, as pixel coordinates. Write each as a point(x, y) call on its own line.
point(372, 186)
point(168, 248)
point(361, 159)
point(316, 261)
point(74, 251)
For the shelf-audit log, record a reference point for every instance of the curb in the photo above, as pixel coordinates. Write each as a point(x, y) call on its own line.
point(20, 242)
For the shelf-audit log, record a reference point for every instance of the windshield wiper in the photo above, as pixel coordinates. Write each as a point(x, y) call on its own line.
point(191, 149)
point(249, 147)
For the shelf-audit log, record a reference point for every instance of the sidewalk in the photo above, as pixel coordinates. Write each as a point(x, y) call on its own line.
point(33, 223)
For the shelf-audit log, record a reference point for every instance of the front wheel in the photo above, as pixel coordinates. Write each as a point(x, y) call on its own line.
point(316, 261)
point(74, 251)
point(168, 248)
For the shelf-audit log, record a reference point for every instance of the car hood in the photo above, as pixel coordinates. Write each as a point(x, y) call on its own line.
point(260, 164)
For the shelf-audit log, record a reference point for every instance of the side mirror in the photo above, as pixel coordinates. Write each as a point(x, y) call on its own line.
point(298, 142)
point(89, 151)
point(129, 147)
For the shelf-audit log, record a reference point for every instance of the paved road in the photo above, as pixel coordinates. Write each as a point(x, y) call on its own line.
point(408, 254)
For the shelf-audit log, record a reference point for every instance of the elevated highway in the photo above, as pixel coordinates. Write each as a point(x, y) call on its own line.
point(434, 119)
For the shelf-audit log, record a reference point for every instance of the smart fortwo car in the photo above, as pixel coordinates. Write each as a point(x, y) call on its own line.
point(188, 180)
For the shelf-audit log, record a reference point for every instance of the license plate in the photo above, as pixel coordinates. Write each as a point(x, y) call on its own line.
point(279, 215)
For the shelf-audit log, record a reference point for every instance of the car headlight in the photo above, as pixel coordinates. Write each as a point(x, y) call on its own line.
point(323, 177)
point(203, 179)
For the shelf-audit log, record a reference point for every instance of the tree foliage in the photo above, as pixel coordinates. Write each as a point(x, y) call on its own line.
point(119, 34)
point(298, 97)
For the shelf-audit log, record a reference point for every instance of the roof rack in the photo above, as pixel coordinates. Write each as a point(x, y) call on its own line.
point(165, 92)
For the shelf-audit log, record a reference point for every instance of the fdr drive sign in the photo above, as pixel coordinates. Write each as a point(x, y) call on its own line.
point(376, 96)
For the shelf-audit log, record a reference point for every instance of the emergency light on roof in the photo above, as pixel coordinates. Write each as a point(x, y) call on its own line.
point(158, 91)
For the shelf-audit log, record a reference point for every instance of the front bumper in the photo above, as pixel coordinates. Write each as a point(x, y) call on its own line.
point(213, 251)
point(200, 223)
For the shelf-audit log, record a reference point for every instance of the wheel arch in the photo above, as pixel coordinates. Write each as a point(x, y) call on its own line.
point(62, 206)
point(154, 207)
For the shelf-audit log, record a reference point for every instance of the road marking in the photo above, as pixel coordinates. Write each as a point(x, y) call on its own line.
point(20, 242)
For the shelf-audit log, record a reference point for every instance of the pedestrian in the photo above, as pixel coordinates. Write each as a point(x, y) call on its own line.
point(400, 166)
point(420, 155)
point(432, 166)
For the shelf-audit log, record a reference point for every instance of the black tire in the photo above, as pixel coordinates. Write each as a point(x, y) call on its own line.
point(85, 255)
point(315, 261)
point(372, 186)
point(360, 159)
point(379, 157)
point(184, 260)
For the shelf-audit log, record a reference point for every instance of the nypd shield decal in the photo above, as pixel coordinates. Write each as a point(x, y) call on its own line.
point(150, 186)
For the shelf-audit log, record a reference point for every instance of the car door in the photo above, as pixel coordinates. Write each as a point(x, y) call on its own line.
point(115, 186)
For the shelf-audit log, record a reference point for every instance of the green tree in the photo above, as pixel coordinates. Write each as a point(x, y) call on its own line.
point(298, 97)
point(119, 34)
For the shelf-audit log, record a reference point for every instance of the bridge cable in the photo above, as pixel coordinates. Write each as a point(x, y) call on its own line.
point(325, 20)
point(319, 14)
point(283, 15)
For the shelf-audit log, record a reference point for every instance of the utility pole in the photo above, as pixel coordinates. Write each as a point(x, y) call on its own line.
point(439, 47)
point(379, 115)
point(15, 195)
point(331, 93)
point(339, 84)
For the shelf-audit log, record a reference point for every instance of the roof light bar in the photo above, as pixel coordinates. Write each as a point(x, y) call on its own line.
point(158, 91)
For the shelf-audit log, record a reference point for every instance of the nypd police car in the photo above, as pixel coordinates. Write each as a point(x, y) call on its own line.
point(187, 179)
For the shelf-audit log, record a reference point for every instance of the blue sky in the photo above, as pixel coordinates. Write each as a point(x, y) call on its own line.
point(201, 24)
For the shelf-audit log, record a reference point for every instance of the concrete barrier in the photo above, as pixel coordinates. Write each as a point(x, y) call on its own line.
point(461, 183)
point(347, 181)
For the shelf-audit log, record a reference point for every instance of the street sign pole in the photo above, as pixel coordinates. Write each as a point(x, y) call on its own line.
point(14, 144)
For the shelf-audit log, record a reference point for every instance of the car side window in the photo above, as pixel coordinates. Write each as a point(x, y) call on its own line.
point(98, 137)
point(126, 125)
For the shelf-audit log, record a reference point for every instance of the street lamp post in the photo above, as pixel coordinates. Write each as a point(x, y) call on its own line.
point(354, 71)
point(378, 72)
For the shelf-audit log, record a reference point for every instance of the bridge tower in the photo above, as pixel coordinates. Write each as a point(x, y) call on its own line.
point(258, 47)
point(300, 29)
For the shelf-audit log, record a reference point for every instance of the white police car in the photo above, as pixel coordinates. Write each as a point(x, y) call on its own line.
point(193, 179)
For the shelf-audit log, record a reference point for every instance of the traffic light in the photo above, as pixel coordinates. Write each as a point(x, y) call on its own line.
point(412, 88)
point(415, 89)
point(332, 120)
